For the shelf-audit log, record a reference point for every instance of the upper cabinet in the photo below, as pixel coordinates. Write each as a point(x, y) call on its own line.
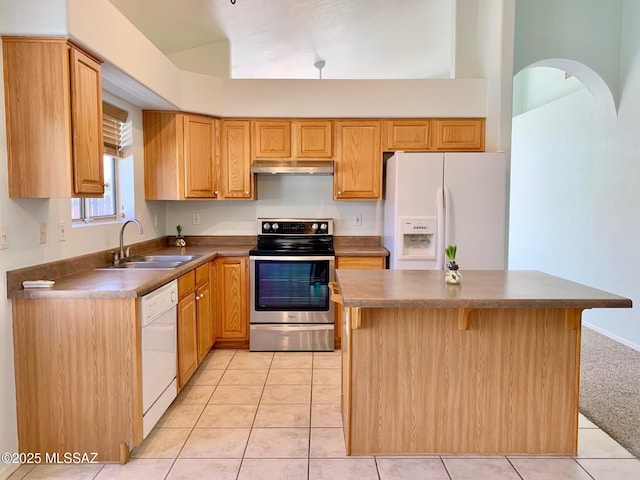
point(189, 156)
point(435, 134)
point(181, 156)
point(202, 156)
point(461, 134)
point(407, 135)
point(270, 139)
point(53, 103)
point(237, 180)
point(358, 168)
point(312, 139)
point(299, 139)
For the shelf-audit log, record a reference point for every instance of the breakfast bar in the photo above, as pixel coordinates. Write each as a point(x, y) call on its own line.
point(489, 366)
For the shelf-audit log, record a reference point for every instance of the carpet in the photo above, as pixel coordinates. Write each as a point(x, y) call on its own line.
point(610, 388)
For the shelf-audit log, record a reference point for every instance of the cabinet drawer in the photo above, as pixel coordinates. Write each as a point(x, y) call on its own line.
point(186, 284)
point(202, 274)
point(361, 262)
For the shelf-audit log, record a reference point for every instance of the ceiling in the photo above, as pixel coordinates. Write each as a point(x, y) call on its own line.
point(358, 39)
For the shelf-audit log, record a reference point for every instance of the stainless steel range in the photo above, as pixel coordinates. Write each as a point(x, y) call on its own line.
point(290, 270)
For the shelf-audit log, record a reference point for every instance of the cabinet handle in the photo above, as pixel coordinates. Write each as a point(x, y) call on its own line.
point(197, 297)
point(246, 193)
point(339, 193)
point(216, 192)
point(201, 295)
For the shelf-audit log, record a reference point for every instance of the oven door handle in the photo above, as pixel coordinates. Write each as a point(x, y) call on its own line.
point(293, 258)
point(291, 328)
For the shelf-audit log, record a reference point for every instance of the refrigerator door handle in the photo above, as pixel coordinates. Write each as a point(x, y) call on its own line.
point(441, 227)
point(448, 221)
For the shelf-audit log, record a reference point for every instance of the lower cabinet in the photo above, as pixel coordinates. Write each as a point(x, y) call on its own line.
point(78, 376)
point(187, 339)
point(196, 328)
point(353, 262)
point(232, 294)
point(204, 312)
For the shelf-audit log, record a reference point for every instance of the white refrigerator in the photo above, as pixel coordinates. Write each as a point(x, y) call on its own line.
point(437, 199)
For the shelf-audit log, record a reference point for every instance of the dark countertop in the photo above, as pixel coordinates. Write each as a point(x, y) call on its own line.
point(78, 278)
point(361, 251)
point(128, 283)
point(479, 289)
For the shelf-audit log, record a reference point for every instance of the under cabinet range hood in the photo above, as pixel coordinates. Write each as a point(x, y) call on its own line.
point(288, 167)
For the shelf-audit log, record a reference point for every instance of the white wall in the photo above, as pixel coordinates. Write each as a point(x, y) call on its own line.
point(531, 88)
point(587, 31)
point(575, 201)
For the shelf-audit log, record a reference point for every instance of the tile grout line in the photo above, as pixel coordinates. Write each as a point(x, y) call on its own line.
point(244, 452)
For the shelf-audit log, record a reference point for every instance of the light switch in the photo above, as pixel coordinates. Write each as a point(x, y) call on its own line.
point(62, 231)
point(3, 237)
point(42, 232)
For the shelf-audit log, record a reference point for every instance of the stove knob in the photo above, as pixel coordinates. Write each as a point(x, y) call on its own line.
point(266, 227)
point(323, 226)
point(274, 226)
point(314, 227)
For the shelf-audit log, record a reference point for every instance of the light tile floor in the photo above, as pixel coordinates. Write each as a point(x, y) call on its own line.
point(247, 416)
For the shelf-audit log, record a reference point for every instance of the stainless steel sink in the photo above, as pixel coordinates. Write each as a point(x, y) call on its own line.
point(147, 264)
point(164, 258)
point(152, 262)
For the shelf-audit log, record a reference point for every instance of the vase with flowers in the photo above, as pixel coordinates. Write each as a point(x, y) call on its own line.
point(452, 274)
point(180, 241)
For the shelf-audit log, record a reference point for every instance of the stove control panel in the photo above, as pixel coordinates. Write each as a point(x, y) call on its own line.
point(276, 226)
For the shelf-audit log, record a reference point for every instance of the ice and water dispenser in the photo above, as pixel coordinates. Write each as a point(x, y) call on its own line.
point(418, 237)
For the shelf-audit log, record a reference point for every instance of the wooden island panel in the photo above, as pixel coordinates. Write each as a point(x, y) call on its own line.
point(508, 384)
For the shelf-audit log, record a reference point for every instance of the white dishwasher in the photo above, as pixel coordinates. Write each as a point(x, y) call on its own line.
point(158, 316)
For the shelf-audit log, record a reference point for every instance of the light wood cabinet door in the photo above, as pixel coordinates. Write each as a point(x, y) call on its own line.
point(53, 105)
point(237, 180)
point(203, 320)
point(358, 168)
point(86, 118)
point(187, 339)
point(406, 135)
point(213, 282)
point(270, 139)
point(312, 139)
point(232, 297)
point(201, 156)
point(353, 262)
point(465, 134)
point(203, 310)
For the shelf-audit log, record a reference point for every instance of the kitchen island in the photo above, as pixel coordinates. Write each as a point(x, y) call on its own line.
point(490, 366)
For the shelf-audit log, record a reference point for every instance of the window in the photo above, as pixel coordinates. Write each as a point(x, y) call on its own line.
point(115, 133)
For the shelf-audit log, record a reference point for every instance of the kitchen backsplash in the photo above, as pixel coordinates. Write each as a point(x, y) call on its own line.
point(279, 196)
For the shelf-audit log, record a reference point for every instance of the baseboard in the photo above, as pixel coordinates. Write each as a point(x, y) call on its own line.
point(611, 336)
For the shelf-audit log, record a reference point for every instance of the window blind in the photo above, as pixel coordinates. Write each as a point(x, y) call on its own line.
point(114, 129)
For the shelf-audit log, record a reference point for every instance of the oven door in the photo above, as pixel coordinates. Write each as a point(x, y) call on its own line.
point(291, 289)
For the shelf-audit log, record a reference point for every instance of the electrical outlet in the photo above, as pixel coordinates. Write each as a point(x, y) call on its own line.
point(196, 219)
point(3, 237)
point(357, 220)
point(42, 232)
point(62, 231)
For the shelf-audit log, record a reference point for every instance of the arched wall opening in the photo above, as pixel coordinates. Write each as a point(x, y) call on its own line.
point(572, 187)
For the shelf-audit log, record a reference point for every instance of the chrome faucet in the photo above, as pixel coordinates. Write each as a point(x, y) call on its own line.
point(124, 254)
